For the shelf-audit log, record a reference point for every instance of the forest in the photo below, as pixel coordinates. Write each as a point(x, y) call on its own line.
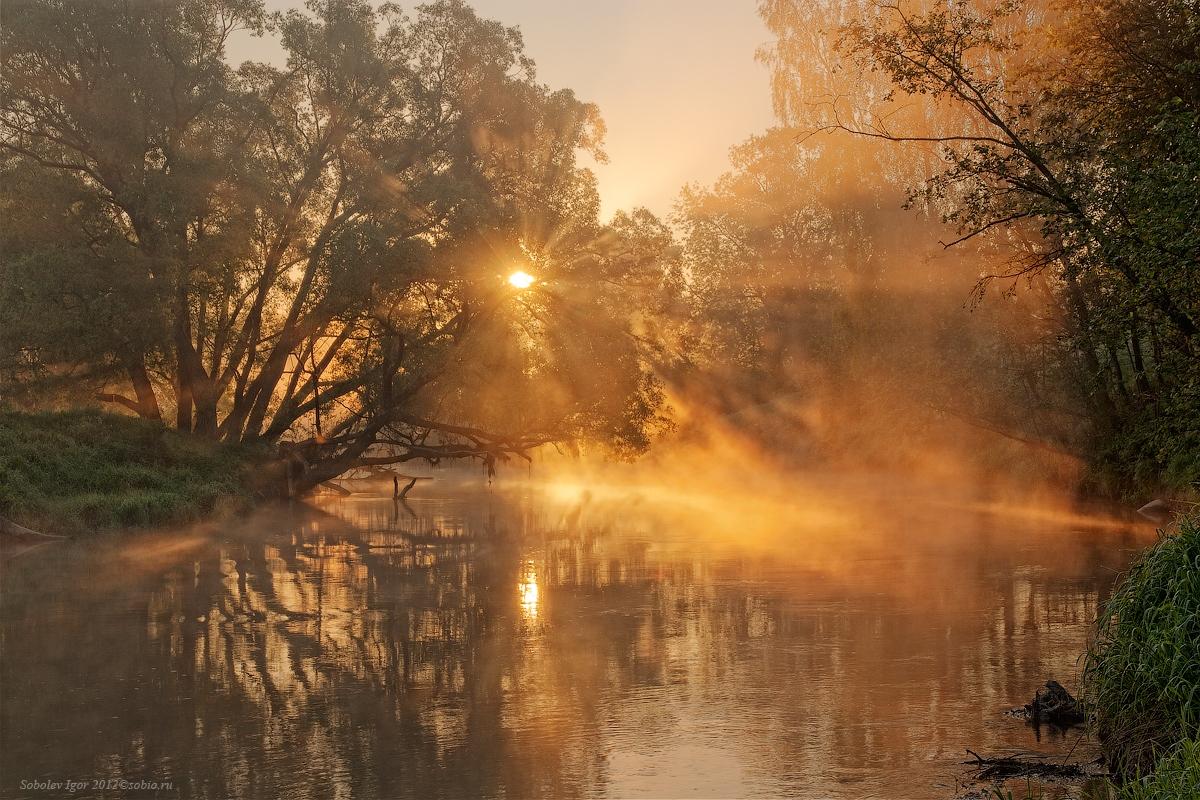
point(978, 215)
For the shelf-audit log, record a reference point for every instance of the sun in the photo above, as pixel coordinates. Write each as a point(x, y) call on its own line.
point(521, 279)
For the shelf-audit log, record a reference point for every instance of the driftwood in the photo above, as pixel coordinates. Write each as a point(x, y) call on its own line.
point(1006, 767)
point(19, 532)
point(1158, 511)
point(400, 494)
point(17, 539)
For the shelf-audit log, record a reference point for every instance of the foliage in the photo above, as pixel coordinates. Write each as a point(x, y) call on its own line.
point(314, 254)
point(1160, 445)
point(816, 295)
point(70, 472)
point(1067, 136)
point(1142, 677)
point(1175, 777)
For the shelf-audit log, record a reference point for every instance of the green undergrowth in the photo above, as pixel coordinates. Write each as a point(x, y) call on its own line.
point(82, 471)
point(1142, 678)
point(1175, 777)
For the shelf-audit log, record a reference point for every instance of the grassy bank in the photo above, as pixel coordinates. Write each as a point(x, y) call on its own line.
point(82, 471)
point(1142, 678)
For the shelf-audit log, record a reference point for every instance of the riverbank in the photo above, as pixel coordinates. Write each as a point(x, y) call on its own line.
point(1141, 687)
point(1142, 679)
point(77, 472)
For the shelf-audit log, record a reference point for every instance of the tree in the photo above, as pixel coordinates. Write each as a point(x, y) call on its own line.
point(331, 238)
point(134, 101)
point(1078, 159)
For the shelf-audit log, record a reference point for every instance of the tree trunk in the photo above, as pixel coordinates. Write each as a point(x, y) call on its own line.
point(148, 407)
point(1140, 377)
point(1083, 331)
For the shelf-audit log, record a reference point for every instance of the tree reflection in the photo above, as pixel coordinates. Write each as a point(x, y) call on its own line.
point(484, 648)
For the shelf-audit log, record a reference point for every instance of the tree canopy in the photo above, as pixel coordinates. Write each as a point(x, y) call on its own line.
point(314, 253)
point(1051, 145)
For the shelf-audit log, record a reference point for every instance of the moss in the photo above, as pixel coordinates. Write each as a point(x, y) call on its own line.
point(77, 471)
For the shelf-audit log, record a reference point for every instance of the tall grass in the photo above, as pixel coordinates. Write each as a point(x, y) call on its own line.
point(1176, 777)
point(1142, 678)
point(77, 471)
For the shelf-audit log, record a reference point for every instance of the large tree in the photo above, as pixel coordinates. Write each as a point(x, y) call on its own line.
point(316, 253)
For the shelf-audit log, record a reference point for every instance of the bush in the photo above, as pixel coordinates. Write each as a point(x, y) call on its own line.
point(1142, 678)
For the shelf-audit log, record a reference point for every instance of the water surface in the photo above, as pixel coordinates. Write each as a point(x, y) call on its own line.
point(549, 641)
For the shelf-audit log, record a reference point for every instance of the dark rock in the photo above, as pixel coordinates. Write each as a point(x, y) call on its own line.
point(1053, 704)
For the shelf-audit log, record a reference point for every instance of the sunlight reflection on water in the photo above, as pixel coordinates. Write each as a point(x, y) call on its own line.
point(528, 589)
point(572, 642)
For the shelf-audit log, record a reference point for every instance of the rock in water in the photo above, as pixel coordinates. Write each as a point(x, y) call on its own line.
point(1055, 705)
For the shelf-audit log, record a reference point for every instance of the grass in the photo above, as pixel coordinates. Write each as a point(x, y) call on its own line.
point(1176, 777)
point(1142, 678)
point(82, 471)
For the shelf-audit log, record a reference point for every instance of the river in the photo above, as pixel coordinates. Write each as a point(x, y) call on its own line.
point(550, 641)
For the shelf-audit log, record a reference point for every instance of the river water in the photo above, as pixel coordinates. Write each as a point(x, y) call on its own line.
point(552, 641)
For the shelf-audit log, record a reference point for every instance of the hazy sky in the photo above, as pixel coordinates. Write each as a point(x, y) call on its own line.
point(676, 81)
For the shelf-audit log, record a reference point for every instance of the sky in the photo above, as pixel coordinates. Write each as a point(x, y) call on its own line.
point(676, 81)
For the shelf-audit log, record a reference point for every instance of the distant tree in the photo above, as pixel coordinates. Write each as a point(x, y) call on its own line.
point(825, 322)
point(1068, 136)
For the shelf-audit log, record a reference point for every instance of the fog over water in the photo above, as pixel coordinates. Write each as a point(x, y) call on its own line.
point(814, 638)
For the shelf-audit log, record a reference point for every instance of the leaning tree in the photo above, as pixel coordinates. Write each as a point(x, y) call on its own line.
point(315, 255)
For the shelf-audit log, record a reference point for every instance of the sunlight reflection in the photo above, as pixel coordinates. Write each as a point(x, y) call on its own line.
point(528, 591)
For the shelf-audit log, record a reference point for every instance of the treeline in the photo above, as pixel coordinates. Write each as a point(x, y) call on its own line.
point(972, 237)
point(1047, 152)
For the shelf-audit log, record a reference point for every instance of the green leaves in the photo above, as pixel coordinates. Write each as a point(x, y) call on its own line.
point(272, 246)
